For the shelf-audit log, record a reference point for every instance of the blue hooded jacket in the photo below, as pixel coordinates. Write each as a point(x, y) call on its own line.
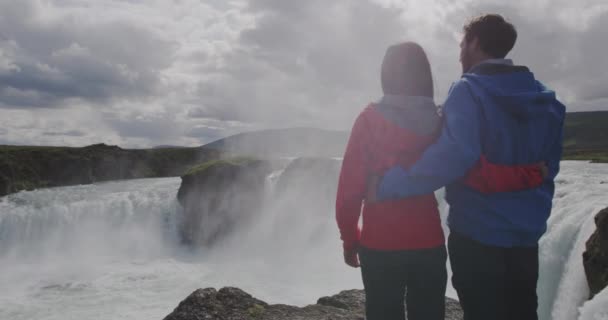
point(504, 113)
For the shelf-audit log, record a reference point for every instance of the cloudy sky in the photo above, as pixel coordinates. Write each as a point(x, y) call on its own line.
point(140, 73)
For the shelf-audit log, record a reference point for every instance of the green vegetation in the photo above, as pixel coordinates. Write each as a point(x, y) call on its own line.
point(593, 156)
point(586, 131)
point(231, 161)
point(175, 161)
point(27, 168)
point(256, 311)
point(586, 136)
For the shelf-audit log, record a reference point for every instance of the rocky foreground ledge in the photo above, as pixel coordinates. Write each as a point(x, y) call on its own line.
point(235, 304)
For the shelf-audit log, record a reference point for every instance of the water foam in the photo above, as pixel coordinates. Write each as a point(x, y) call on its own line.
point(111, 250)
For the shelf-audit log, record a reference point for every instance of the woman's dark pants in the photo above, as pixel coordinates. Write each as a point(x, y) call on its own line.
point(417, 276)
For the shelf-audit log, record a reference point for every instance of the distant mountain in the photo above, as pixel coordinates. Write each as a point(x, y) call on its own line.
point(293, 142)
point(162, 146)
point(586, 136)
point(30, 167)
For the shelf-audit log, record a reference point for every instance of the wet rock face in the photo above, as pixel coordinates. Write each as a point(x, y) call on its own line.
point(235, 304)
point(218, 195)
point(595, 258)
point(5, 184)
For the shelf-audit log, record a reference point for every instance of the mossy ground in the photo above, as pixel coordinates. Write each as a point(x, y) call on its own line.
point(32, 167)
point(595, 156)
point(229, 161)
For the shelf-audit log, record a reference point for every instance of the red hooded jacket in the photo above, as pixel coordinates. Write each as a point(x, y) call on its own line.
point(394, 131)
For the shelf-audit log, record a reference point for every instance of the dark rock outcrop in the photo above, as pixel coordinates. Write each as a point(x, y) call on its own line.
point(595, 258)
point(218, 195)
point(234, 304)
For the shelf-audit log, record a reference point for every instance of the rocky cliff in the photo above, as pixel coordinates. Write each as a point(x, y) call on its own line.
point(595, 258)
point(28, 168)
point(235, 304)
point(218, 195)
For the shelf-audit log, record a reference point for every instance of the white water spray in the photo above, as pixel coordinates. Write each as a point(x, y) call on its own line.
point(111, 251)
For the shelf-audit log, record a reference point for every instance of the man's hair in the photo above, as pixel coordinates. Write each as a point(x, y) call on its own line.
point(406, 70)
point(496, 35)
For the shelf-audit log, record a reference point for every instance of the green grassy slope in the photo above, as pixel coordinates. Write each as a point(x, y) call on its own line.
point(27, 167)
point(586, 136)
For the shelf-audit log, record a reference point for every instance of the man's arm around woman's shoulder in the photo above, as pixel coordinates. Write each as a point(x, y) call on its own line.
point(457, 154)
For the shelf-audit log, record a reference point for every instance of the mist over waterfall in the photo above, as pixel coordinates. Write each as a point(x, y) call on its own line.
point(113, 251)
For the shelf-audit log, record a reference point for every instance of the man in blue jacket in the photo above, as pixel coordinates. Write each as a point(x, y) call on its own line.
point(501, 112)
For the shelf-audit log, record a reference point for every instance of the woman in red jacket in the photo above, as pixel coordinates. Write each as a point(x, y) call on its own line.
point(401, 244)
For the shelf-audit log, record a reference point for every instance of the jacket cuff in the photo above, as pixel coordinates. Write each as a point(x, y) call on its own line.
point(353, 244)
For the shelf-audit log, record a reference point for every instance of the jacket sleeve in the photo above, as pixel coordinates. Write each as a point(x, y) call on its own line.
point(487, 177)
point(555, 152)
point(352, 185)
point(457, 149)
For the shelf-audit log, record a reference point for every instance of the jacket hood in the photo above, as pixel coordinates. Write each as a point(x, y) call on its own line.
point(415, 113)
point(518, 93)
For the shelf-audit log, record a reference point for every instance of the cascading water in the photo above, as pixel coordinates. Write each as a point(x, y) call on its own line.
point(111, 250)
point(581, 192)
point(132, 219)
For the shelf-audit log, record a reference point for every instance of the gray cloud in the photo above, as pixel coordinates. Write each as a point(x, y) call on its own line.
point(155, 128)
point(235, 66)
point(316, 63)
point(312, 62)
point(46, 60)
point(70, 133)
point(205, 133)
point(559, 41)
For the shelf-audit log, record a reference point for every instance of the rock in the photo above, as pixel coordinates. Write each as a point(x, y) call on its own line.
point(353, 300)
point(234, 304)
point(453, 311)
point(595, 258)
point(5, 182)
point(228, 303)
point(218, 195)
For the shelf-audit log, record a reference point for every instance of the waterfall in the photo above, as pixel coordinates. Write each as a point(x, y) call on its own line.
point(580, 194)
point(111, 250)
point(132, 218)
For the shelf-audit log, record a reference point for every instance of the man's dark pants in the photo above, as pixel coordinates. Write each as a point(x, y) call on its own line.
point(419, 276)
point(493, 282)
